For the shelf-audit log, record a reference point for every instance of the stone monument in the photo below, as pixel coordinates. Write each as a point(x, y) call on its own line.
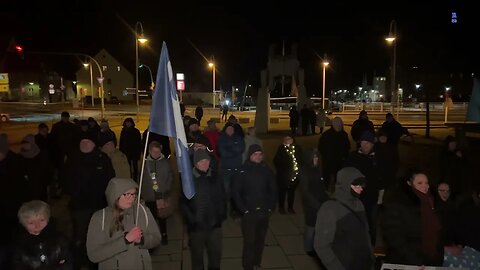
point(283, 77)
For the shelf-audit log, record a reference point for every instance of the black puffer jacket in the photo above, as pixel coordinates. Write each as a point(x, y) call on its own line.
point(207, 209)
point(47, 251)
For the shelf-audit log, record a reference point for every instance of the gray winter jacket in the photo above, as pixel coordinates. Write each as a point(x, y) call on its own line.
point(163, 177)
point(342, 239)
point(113, 252)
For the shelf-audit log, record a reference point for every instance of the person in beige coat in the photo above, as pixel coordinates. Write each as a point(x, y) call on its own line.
point(119, 159)
point(114, 241)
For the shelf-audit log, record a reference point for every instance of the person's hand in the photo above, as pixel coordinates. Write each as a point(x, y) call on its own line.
point(134, 235)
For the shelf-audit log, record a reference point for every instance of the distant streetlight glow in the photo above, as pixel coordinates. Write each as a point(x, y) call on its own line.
point(139, 37)
point(212, 66)
point(325, 64)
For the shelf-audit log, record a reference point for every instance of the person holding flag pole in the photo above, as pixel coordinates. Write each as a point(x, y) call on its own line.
point(166, 119)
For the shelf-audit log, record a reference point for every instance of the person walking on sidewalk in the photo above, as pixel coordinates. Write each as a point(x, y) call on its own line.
point(205, 213)
point(255, 193)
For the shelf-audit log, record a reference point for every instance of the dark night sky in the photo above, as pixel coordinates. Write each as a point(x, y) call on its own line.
point(238, 33)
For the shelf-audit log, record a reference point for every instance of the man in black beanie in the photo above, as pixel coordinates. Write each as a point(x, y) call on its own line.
point(88, 172)
point(254, 191)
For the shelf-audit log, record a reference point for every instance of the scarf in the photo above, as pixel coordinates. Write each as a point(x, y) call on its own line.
point(430, 224)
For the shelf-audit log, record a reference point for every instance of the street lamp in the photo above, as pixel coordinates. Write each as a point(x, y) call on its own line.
point(447, 88)
point(138, 38)
point(325, 64)
point(391, 39)
point(91, 81)
point(212, 66)
point(152, 85)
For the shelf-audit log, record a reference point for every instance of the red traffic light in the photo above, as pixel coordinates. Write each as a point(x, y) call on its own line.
point(19, 48)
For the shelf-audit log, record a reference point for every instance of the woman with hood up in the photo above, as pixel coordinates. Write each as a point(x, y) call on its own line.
point(114, 241)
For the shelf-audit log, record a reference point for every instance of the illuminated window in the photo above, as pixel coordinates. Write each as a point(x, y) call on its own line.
point(104, 68)
point(454, 17)
point(118, 68)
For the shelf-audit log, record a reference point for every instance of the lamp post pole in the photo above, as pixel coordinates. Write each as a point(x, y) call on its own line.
point(392, 36)
point(138, 38)
point(212, 65)
point(325, 64)
point(91, 85)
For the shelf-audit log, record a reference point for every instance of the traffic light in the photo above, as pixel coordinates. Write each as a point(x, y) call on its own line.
point(19, 50)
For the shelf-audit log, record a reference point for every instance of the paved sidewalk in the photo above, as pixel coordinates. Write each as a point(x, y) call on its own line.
point(283, 245)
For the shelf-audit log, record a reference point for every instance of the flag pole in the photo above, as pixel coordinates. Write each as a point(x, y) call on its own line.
point(141, 176)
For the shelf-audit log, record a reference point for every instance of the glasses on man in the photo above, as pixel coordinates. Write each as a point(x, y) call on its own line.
point(444, 190)
point(129, 195)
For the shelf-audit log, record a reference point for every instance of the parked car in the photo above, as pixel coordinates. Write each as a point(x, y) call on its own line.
point(4, 117)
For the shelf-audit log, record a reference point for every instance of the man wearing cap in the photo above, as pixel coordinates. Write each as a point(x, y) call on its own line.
point(365, 160)
point(361, 125)
point(88, 171)
point(254, 191)
point(342, 240)
point(205, 213)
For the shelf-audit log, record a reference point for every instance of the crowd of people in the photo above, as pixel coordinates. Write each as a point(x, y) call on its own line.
point(348, 196)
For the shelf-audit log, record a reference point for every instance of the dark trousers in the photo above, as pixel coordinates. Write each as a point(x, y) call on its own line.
point(81, 219)
point(288, 193)
point(312, 127)
point(133, 163)
point(162, 222)
point(254, 230)
point(212, 241)
point(371, 210)
point(305, 125)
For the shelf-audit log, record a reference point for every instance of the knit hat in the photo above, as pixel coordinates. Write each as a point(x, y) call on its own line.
point(192, 121)
point(64, 114)
point(200, 154)
point(34, 149)
point(3, 143)
point(87, 136)
point(254, 148)
point(367, 136)
point(337, 123)
point(105, 138)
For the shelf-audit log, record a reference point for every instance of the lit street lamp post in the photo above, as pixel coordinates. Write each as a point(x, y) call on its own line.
point(446, 103)
point(91, 81)
point(391, 39)
point(152, 85)
point(138, 38)
point(212, 65)
point(325, 64)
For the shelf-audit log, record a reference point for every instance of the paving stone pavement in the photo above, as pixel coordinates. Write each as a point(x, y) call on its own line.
point(283, 244)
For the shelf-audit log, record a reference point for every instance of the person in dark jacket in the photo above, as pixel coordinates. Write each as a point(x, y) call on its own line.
point(254, 191)
point(182, 109)
point(37, 168)
point(294, 118)
point(365, 160)
point(12, 180)
point(44, 141)
point(313, 119)
point(305, 115)
point(39, 246)
point(334, 147)
point(199, 113)
point(387, 157)
point(106, 133)
point(393, 129)
point(342, 240)
point(89, 170)
point(230, 147)
point(131, 145)
point(93, 127)
point(411, 227)
point(205, 213)
point(361, 125)
point(314, 194)
point(287, 161)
